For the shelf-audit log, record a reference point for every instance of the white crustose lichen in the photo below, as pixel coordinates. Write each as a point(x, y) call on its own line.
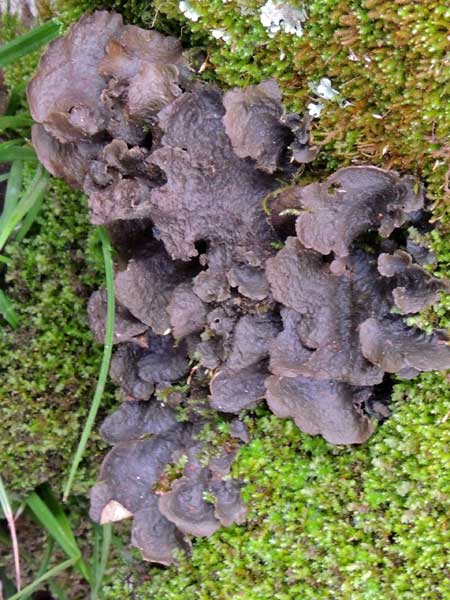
point(221, 34)
point(281, 16)
point(188, 11)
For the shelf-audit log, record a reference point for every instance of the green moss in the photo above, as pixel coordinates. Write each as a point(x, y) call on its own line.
point(49, 366)
point(326, 522)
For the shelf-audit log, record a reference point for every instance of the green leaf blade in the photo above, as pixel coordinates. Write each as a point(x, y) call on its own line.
point(34, 193)
point(13, 190)
point(58, 531)
point(15, 122)
point(15, 152)
point(104, 532)
point(40, 580)
point(104, 368)
point(7, 310)
point(29, 42)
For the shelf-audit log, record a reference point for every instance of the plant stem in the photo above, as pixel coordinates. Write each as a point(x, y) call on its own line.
point(107, 351)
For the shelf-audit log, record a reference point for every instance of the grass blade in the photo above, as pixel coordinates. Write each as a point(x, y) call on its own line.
point(16, 96)
point(29, 42)
point(4, 177)
point(100, 567)
point(15, 152)
point(7, 310)
point(15, 122)
point(44, 564)
point(51, 524)
point(107, 351)
point(40, 580)
point(32, 194)
point(57, 511)
point(10, 143)
point(13, 190)
point(30, 217)
point(7, 511)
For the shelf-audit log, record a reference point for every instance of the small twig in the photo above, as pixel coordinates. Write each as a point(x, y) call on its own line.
point(155, 17)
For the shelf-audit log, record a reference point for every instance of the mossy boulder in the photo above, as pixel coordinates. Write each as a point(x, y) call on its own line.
point(325, 522)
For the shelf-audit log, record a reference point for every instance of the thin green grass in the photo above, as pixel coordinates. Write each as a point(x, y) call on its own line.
point(39, 581)
point(58, 512)
point(56, 524)
point(29, 42)
point(102, 546)
point(15, 122)
point(104, 369)
point(30, 217)
point(19, 207)
point(13, 150)
point(10, 151)
point(12, 194)
point(9, 516)
point(13, 190)
point(32, 195)
point(7, 310)
point(10, 143)
point(49, 513)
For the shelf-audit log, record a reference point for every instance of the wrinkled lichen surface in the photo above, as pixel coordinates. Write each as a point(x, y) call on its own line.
point(179, 174)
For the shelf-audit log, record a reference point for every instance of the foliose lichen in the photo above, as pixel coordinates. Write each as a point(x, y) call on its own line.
point(169, 172)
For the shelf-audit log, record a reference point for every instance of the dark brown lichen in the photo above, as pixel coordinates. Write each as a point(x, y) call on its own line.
point(210, 314)
point(253, 123)
point(397, 348)
point(331, 309)
point(351, 202)
point(327, 408)
point(413, 288)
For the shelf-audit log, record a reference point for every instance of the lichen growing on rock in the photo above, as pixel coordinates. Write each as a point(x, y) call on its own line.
point(182, 193)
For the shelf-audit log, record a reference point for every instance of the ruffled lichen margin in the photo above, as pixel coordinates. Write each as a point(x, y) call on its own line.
point(326, 522)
